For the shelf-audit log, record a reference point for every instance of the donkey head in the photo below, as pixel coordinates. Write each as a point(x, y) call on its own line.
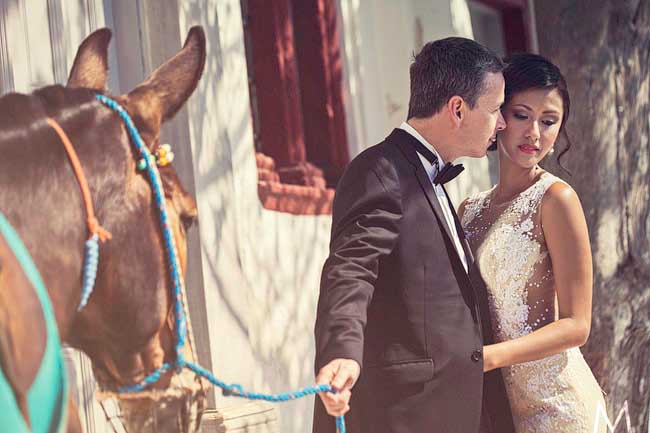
point(127, 326)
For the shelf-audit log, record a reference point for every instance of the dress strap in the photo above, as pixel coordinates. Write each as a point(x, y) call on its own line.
point(530, 200)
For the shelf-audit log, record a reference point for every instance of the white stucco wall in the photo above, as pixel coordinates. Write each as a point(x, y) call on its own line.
point(380, 39)
point(261, 268)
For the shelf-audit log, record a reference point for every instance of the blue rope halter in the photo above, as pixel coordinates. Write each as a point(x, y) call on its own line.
point(180, 322)
point(91, 262)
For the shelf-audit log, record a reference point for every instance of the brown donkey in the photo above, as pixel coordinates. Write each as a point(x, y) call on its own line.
point(126, 327)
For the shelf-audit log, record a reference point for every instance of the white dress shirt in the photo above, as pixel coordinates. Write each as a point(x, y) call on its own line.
point(432, 171)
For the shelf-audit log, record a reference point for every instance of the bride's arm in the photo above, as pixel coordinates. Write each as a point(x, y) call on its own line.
point(565, 230)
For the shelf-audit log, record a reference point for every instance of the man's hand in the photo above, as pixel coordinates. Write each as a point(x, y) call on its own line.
point(341, 374)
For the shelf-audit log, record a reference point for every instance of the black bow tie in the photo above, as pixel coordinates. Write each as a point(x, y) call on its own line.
point(447, 173)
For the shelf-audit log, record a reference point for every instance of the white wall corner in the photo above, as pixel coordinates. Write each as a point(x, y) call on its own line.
point(461, 21)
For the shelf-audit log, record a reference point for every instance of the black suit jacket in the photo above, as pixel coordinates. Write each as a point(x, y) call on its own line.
point(395, 297)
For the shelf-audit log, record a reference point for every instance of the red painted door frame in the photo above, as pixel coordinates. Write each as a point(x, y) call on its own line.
point(275, 73)
point(298, 88)
point(515, 16)
point(321, 85)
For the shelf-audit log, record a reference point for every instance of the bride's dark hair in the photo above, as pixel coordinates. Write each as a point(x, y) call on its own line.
point(531, 71)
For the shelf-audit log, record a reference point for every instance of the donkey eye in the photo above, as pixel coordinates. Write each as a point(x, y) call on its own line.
point(188, 220)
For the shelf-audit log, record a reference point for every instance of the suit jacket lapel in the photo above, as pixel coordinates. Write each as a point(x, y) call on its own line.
point(402, 138)
point(461, 233)
point(473, 273)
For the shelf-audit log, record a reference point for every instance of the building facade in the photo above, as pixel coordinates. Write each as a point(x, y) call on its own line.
point(292, 90)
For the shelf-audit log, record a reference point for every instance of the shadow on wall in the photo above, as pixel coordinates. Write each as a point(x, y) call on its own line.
point(261, 268)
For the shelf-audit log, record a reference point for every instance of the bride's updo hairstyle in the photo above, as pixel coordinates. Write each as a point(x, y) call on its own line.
point(531, 71)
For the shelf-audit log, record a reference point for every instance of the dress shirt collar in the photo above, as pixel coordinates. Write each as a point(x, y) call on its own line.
point(411, 130)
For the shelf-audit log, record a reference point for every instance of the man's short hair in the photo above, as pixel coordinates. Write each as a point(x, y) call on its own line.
point(449, 67)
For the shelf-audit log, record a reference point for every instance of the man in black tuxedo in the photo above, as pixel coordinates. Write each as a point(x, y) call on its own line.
point(402, 313)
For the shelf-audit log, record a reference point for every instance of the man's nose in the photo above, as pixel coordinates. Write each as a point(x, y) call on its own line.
point(501, 122)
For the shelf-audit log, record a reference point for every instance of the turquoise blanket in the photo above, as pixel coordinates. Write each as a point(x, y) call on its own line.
point(48, 397)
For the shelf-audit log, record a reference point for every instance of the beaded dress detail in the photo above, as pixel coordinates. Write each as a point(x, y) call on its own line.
point(555, 394)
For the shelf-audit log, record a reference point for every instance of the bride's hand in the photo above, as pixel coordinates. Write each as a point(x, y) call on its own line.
point(489, 361)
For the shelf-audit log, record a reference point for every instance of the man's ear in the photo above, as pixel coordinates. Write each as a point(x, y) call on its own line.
point(456, 109)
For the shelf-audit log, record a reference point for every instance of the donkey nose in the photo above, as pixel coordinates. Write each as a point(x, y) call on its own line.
point(126, 369)
point(153, 356)
point(135, 372)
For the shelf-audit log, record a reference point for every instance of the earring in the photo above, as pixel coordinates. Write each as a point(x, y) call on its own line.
point(552, 151)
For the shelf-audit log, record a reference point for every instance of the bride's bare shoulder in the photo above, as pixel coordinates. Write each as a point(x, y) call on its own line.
point(561, 202)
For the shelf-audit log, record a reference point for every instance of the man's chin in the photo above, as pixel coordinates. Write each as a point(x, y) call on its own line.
point(482, 153)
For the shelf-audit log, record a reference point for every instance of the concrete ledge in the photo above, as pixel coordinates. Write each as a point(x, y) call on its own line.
point(248, 417)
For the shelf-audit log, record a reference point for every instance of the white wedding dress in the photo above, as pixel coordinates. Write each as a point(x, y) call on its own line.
point(557, 394)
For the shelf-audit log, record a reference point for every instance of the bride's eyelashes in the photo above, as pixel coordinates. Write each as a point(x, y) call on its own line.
point(547, 122)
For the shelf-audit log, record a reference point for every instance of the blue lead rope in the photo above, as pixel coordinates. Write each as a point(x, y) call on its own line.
point(234, 390)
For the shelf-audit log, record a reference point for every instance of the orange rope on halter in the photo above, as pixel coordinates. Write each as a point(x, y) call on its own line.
point(93, 224)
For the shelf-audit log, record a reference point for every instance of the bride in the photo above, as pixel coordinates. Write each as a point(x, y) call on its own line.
point(530, 240)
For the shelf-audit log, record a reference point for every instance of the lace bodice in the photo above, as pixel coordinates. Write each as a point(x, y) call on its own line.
point(508, 242)
point(557, 393)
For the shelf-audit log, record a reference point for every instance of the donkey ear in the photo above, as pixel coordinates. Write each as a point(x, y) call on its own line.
point(90, 67)
point(173, 82)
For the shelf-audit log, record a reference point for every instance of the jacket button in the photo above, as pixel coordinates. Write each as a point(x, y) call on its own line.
point(476, 355)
